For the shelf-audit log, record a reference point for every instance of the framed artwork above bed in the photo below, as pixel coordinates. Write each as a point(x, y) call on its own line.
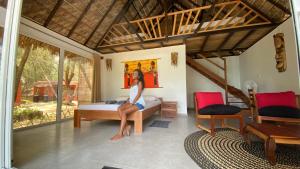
point(149, 69)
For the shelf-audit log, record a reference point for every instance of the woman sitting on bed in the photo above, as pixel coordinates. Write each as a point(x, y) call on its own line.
point(136, 102)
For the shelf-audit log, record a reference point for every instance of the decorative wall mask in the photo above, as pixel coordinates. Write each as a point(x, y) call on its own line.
point(280, 56)
point(174, 58)
point(108, 64)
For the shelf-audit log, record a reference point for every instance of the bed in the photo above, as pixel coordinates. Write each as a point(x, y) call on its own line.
point(102, 111)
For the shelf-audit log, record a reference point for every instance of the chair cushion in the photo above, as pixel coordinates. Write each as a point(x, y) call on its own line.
point(276, 99)
point(279, 111)
point(208, 98)
point(219, 109)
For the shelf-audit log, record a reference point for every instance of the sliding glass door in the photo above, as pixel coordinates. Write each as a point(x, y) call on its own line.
point(8, 44)
point(36, 83)
point(77, 83)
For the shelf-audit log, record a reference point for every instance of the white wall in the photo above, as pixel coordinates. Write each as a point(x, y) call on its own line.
point(171, 79)
point(258, 62)
point(198, 82)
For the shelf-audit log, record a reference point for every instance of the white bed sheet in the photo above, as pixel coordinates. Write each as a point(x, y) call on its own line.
point(114, 107)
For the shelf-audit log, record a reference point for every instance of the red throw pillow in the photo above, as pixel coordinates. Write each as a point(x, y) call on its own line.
point(276, 99)
point(208, 98)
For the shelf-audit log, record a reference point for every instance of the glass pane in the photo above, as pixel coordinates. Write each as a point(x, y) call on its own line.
point(35, 83)
point(78, 79)
point(1, 40)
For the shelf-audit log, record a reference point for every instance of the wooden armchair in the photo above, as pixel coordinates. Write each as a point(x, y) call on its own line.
point(210, 106)
point(279, 107)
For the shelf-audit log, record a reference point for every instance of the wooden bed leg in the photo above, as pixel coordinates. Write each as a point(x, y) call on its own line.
point(77, 123)
point(138, 127)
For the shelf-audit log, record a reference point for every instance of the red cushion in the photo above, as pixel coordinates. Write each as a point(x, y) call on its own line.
point(208, 98)
point(276, 99)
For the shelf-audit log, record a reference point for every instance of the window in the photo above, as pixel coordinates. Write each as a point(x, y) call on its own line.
point(36, 83)
point(77, 82)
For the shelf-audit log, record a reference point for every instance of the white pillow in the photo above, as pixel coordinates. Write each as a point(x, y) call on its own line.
point(150, 98)
point(122, 98)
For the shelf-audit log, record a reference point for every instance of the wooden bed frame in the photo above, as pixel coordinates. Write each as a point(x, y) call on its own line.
point(137, 117)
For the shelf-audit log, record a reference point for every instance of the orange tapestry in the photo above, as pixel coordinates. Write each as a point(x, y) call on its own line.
point(149, 69)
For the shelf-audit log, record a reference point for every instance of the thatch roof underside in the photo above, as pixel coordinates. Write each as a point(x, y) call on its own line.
point(92, 22)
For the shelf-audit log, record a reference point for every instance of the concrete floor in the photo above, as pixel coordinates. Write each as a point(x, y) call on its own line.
point(61, 146)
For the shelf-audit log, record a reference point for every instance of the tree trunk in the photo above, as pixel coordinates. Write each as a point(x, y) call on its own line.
point(20, 68)
point(69, 74)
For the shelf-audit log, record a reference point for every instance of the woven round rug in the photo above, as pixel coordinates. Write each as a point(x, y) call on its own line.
point(227, 149)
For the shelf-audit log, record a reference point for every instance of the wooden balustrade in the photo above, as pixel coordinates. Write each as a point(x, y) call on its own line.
point(185, 22)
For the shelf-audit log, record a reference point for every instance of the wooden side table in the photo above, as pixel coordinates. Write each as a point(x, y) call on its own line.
point(272, 135)
point(169, 109)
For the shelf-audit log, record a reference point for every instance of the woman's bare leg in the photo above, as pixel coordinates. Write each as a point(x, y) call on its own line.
point(124, 113)
point(120, 110)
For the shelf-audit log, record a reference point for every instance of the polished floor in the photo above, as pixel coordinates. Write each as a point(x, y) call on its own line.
point(60, 146)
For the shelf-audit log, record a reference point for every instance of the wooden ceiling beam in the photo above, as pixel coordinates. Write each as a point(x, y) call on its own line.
point(213, 51)
point(225, 40)
point(243, 39)
point(137, 11)
point(258, 11)
point(259, 38)
point(211, 9)
point(100, 22)
point(202, 34)
point(193, 3)
point(204, 42)
point(146, 3)
point(280, 6)
point(116, 20)
point(126, 47)
point(80, 17)
point(135, 30)
point(178, 2)
point(52, 13)
point(153, 9)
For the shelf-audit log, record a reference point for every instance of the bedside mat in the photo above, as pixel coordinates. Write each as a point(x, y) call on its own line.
point(160, 124)
point(106, 167)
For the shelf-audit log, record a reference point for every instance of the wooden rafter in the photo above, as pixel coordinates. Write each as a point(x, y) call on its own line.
point(117, 19)
point(80, 17)
point(243, 39)
point(52, 13)
point(214, 51)
point(146, 3)
point(202, 20)
point(193, 3)
point(280, 6)
point(137, 11)
point(100, 22)
point(258, 11)
point(204, 42)
point(225, 41)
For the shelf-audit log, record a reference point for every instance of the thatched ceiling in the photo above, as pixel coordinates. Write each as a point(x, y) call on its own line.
point(88, 21)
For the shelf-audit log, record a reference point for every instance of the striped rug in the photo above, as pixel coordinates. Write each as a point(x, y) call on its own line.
point(228, 150)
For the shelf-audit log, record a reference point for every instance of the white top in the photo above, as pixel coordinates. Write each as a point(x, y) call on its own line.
point(133, 93)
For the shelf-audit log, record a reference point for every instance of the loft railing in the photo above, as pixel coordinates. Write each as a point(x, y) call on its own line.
point(235, 14)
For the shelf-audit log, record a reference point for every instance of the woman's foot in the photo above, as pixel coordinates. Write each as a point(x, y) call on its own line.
point(117, 137)
point(127, 130)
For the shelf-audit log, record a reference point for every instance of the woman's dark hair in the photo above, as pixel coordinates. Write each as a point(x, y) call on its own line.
point(141, 77)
